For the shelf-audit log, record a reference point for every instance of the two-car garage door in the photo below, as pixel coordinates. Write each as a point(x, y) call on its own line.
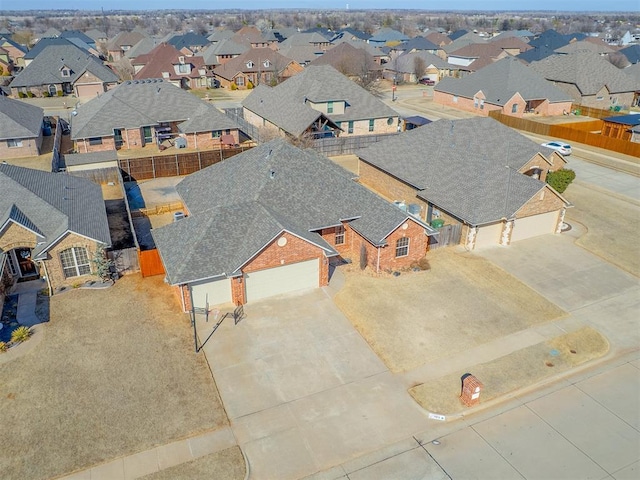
point(284, 279)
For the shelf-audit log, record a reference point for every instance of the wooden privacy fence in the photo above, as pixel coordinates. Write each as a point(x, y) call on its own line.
point(569, 133)
point(346, 145)
point(150, 263)
point(174, 165)
point(593, 112)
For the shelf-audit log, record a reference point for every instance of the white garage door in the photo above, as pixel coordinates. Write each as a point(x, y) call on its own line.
point(489, 235)
point(534, 225)
point(212, 292)
point(285, 279)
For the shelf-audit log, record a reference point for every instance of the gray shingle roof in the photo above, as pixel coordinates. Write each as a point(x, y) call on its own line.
point(588, 71)
point(19, 119)
point(237, 208)
point(47, 67)
point(285, 104)
point(467, 167)
point(406, 62)
point(138, 103)
point(51, 204)
point(501, 80)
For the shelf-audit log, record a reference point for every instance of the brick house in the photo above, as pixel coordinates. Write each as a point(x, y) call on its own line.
point(143, 112)
point(122, 43)
point(63, 70)
point(319, 102)
point(166, 62)
point(50, 226)
point(20, 129)
point(481, 178)
point(271, 220)
point(507, 86)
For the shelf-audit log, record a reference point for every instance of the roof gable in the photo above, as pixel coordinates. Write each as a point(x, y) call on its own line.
point(19, 119)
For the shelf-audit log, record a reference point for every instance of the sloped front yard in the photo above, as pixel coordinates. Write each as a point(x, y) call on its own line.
point(115, 374)
point(463, 301)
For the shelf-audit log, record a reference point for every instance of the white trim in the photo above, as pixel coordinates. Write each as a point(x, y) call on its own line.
point(21, 225)
point(403, 246)
point(53, 243)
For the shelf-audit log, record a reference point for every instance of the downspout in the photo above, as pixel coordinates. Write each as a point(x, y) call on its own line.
point(378, 263)
point(46, 275)
point(184, 307)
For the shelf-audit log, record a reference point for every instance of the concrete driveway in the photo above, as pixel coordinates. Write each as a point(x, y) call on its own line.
point(303, 390)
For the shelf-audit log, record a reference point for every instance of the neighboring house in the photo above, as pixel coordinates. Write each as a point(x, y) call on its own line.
point(621, 127)
point(63, 70)
point(121, 43)
point(189, 43)
point(511, 45)
point(475, 56)
point(350, 61)
point(319, 102)
point(477, 175)
point(405, 67)
point(6, 64)
point(15, 51)
point(350, 34)
point(51, 33)
point(46, 42)
point(418, 44)
point(221, 52)
point(438, 38)
point(256, 66)
point(600, 48)
point(507, 86)
point(252, 37)
point(51, 225)
point(143, 47)
point(142, 112)
point(550, 39)
point(304, 48)
point(20, 128)
point(78, 35)
point(270, 221)
point(220, 35)
point(631, 53)
point(387, 36)
point(589, 79)
point(166, 62)
point(98, 36)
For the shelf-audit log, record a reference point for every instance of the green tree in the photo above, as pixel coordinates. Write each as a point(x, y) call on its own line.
point(561, 179)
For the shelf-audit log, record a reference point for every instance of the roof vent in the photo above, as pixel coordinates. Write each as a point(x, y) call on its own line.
point(272, 174)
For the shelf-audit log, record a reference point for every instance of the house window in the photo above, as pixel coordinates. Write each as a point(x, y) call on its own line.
point(117, 137)
point(371, 123)
point(266, 64)
point(12, 143)
point(249, 64)
point(95, 141)
point(75, 262)
point(66, 72)
point(351, 127)
point(514, 108)
point(330, 106)
point(455, 99)
point(475, 102)
point(599, 97)
point(227, 131)
point(481, 104)
point(240, 81)
point(402, 247)
point(339, 240)
point(216, 133)
point(184, 68)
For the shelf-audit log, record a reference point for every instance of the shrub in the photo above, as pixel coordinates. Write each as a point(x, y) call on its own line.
point(20, 334)
point(46, 94)
point(249, 85)
point(30, 94)
point(59, 93)
point(234, 86)
point(21, 94)
point(3, 347)
point(561, 179)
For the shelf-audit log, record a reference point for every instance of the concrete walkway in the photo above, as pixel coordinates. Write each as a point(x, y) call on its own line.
point(158, 458)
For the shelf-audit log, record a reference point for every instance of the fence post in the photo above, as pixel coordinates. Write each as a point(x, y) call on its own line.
point(177, 166)
point(199, 161)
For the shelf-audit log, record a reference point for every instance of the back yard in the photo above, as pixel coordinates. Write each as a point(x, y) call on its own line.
point(463, 301)
point(114, 374)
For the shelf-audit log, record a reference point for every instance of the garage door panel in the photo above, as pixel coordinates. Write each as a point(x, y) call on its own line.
point(488, 235)
point(284, 279)
point(534, 225)
point(210, 293)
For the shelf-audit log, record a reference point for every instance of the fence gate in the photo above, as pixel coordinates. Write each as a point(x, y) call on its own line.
point(449, 235)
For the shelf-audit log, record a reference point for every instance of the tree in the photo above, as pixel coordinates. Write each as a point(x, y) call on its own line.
point(419, 67)
point(617, 59)
point(561, 179)
point(102, 264)
point(124, 69)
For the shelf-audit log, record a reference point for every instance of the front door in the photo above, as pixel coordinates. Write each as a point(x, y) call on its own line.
point(52, 90)
point(26, 266)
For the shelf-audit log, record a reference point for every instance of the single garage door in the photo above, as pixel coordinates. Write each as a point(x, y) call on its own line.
point(285, 279)
point(211, 292)
point(534, 225)
point(489, 235)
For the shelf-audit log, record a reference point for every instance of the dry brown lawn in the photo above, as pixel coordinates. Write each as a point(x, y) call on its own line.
point(461, 302)
point(114, 374)
point(511, 372)
point(227, 464)
point(613, 226)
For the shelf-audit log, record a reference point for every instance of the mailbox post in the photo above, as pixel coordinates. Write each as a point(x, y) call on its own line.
point(471, 388)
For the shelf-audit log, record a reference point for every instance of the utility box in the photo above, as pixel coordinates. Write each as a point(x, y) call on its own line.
point(471, 388)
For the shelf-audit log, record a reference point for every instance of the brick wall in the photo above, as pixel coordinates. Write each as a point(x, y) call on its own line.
point(553, 163)
point(544, 201)
point(204, 140)
point(361, 127)
point(29, 148)
point(108, 143)
point(15, 236)
point(386, 186)
point(54, 266)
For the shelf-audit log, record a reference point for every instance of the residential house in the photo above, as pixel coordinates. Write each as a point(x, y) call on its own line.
point(622, 127)
point(221, 52)
point(98, 36)
point(631, 53)
point(43, 43)
point(20, 128)
point(589, 79)
point(143, 47)
point(50, 226)
point(254, 67)
point(303, 213)
point(166, 62)
point(15, 51)
point(319, 102)
point(350, 61)
point(252, 37)
point(63, 70)
point(189, 43)
point(387, 36)
point(121, 43)
point(6, 64)
point(78, 35)
point(507, 86)
point(147, 112)
point(350, 34)
point(475, 56)
point(51, 32)
point(599, 48)
point(411, 67)
point(220, 35)
point(476, 175)
point(511, 45)
point(438, 38)
point(305, 47)
point(417, 44)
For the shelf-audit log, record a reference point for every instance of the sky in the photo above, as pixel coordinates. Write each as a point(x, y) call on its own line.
point(476, 5)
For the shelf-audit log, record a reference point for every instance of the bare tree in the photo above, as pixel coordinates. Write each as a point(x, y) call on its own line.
point(419, 67)
point(617, 59)
point(124, 69)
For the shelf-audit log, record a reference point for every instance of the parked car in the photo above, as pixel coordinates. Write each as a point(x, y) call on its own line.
point(427, 81)
point(561, 148)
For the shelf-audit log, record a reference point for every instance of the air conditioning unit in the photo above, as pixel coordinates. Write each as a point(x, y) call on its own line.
point(401, 205)
point(178, 216)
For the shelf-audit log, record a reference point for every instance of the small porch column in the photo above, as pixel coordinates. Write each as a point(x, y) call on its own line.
point(507, 229)
point(471, 237)
point(561, 220)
